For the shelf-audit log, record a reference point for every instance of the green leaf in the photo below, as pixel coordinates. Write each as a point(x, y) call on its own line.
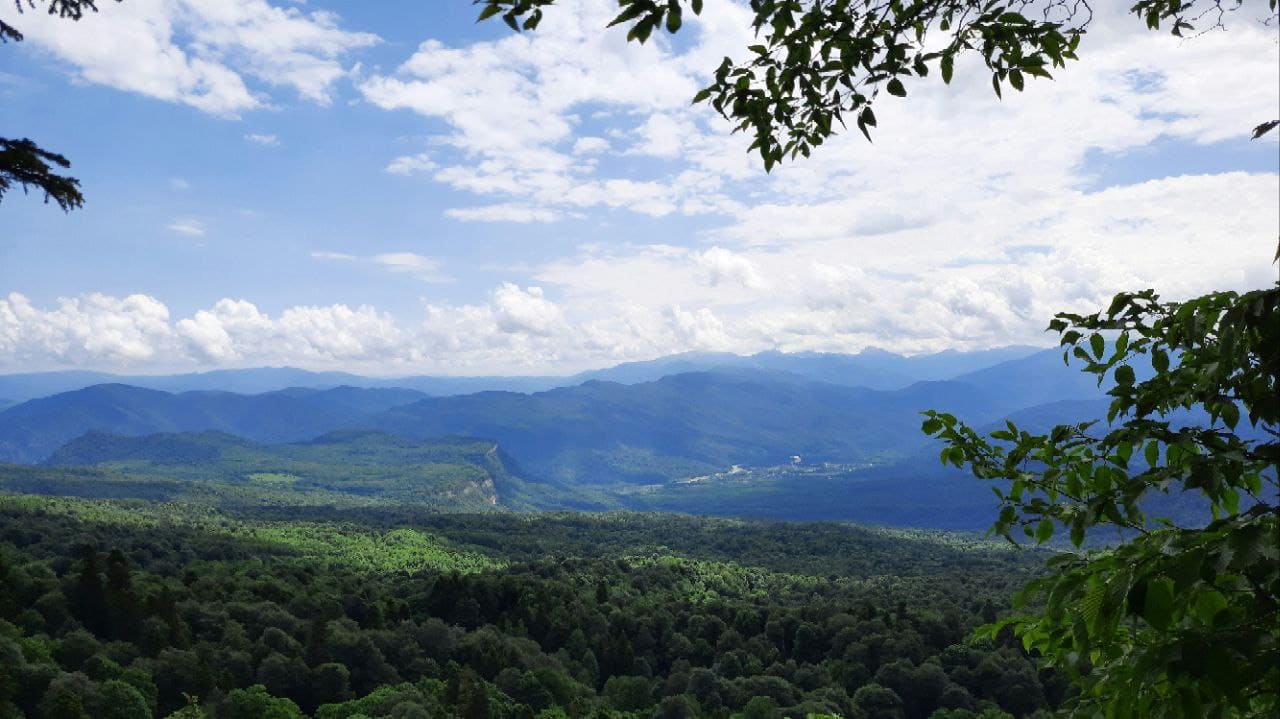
point(866, 119)
point(1044, 531)
point(1153, 453)
point(948, 66)
point(1160, 360)
point(673, 19)
point(1091, 605)
point(1231, 414)
point(1207, 606)
point(632, 11)
point(895, 88)
point(1124, 451)
point(1158, 606)
point(1124, 375)
point(1098, 345)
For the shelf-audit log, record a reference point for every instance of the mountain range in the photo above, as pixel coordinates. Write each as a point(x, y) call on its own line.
point(871, 368)
point(598, 443)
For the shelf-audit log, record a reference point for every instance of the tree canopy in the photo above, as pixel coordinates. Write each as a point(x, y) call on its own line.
point(821, 64)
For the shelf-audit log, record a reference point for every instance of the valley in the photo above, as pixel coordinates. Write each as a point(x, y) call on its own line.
point(806, 448)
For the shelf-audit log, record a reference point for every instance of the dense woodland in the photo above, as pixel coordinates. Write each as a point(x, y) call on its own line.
point(111, 609)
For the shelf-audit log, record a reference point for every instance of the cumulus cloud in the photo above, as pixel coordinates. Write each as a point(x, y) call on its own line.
point(267, 140)
point(514, 107)
point(967, 224)
point(201, 54)
point(517, 326)
point(93, 329)
point(519, 310)
point(517, 110)
point(725, 266)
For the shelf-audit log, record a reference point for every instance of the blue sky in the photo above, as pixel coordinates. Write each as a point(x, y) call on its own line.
point(392, 188)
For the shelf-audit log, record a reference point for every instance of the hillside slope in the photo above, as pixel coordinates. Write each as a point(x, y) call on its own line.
point(451, 472)
point(31, 431)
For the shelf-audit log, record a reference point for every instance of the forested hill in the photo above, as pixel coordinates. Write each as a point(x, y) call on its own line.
point(31, 431)
point(344, 467)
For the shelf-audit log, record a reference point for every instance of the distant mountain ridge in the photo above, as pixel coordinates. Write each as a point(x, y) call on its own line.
point(692, 423)
point(595, 434)
point(31, 431)
point(810, 449)
point(871, 368)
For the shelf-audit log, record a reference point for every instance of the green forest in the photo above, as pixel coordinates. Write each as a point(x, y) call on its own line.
point(135, 609)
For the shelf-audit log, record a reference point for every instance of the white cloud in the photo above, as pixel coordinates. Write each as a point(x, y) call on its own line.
point(589, 145)
point(187, 226)
point(410, 164)
point(267, 140)
point(341, 256)
point(525, 310)
point(664, 135)
point(90, 330)
point(426, 269)
point(514, 107)
point(967, 224)
point(202, 54)
point(504, 212)
point(179, 184)
point(723, 265)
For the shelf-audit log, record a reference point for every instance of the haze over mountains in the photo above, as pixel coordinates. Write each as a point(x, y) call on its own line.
point(635, 441)
point(871, 368)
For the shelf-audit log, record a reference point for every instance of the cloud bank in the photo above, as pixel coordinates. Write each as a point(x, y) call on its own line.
point(222, 58)
point(968, 223)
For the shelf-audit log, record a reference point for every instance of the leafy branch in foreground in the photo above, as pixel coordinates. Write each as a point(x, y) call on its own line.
point(26, 164)
point(23, 162)
point(1176, 620)
point(823, 63)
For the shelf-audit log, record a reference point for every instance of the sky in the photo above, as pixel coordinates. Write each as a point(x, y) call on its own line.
point(392, 188)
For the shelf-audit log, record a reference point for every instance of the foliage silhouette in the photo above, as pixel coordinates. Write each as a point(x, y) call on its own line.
point(1177, 620)
point(24, 163)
